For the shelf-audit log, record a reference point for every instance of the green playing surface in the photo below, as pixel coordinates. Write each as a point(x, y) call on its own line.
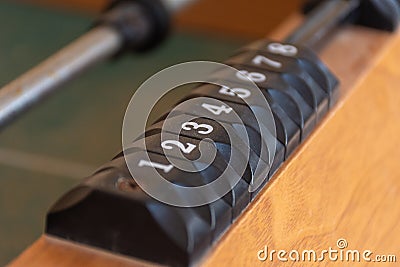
point(49, 149)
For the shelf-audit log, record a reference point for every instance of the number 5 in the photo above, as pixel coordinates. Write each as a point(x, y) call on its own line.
point(239, 92)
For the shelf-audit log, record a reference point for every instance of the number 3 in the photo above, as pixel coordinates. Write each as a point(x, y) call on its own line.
point(195, 126)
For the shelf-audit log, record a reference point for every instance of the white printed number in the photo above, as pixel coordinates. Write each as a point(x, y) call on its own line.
point(188, 126)
point(281, 49)
point(259, 60)
point(216, 110)
point(239, 92)
point(165, 168)
point(253, 76)
point(170, 143)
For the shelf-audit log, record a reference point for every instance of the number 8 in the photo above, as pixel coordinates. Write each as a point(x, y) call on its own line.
point(281, 49)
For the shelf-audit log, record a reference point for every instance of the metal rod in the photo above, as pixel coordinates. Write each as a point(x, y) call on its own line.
point(102, 42)
point(97, 45)
point(175, 5)
point(22, 93)
point(322, 21)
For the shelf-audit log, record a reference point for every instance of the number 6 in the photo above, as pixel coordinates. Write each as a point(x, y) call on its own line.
point(252, 76)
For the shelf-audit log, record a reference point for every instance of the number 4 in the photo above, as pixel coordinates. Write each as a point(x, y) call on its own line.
point(216, 110)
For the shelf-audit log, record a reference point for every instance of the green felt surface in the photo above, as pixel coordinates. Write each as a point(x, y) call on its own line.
point(80, 124)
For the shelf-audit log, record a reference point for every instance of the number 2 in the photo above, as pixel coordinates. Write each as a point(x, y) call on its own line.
point(170, 143)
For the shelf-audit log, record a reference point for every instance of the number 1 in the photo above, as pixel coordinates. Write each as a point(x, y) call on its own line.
point(165, 168)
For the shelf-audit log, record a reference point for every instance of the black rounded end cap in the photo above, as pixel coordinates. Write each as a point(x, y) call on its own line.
point(143, 24)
